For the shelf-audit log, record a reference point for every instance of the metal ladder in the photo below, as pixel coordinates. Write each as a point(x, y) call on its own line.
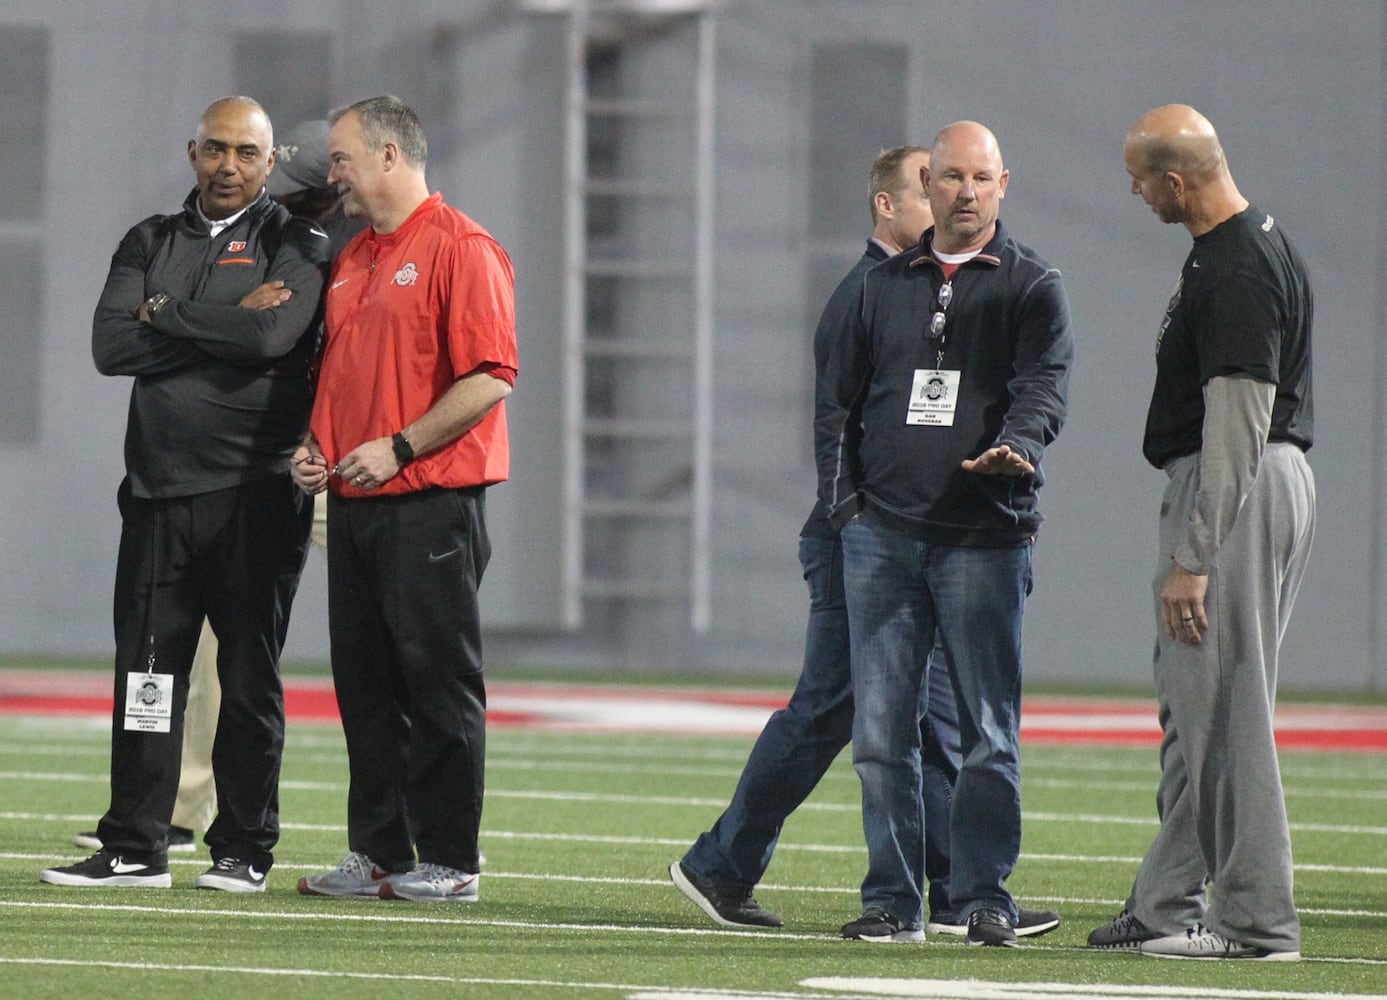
point(638, 310)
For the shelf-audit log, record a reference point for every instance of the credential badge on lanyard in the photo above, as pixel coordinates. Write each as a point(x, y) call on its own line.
point(934, 394)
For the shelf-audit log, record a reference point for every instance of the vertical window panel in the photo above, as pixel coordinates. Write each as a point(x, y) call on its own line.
point(24, 53)
point(23, 120)
point(289, 72)
point(21, 296)
point(857, 108)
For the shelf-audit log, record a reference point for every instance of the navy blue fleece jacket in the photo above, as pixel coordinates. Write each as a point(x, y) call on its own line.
point(1007, 333)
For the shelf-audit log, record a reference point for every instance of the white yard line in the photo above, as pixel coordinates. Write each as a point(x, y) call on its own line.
point(663, 882)
point(974, 989)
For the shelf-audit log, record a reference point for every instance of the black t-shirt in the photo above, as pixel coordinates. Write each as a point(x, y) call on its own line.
point(1243, 306)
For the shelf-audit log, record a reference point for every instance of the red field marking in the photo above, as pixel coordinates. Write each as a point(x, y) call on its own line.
point(618, 708)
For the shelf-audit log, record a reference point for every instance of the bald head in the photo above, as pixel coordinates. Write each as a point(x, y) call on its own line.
point(965, 182)
point(1177, 166)
point(970, 135)
point(1177, 137)
point(245, 110)
point(231, 156)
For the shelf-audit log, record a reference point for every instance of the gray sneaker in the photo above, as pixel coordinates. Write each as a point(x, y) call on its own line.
point(1123, 932)
point(1200, 942)
point(431, 883)
point(357, 875)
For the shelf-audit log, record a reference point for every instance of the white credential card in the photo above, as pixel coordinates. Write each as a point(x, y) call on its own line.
point(933, 398)
point(148, 702)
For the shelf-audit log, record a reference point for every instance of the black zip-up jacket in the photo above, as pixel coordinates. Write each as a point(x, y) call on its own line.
point(841, 304)
point(222, 392)
point(1007, 332)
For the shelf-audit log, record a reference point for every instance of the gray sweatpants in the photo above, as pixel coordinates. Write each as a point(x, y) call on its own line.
point(1223, 814)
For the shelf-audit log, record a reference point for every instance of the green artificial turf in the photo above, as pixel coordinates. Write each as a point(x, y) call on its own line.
point(579, 832)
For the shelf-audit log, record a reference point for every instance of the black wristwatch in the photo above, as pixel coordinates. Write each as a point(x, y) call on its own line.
point(156, 302)
point(404, 451)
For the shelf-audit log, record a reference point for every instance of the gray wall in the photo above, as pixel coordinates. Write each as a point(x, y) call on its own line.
point(1295, 89)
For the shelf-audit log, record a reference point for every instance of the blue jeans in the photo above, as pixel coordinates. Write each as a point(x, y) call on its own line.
point(901, 593)
point(800, 741)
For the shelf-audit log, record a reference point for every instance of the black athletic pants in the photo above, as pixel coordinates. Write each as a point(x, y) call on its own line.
point(403, 573)
point(233, 556)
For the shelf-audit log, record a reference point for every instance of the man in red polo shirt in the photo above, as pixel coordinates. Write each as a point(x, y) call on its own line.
point(408, 430)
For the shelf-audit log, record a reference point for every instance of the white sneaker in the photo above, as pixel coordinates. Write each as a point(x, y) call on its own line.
point(356, 875)
point(1200, 942)
point(431, 883)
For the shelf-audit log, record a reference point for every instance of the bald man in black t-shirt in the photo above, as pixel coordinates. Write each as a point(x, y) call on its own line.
point(1230, 421)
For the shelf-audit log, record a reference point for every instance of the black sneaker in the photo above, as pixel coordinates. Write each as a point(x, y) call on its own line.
point(1029, 923)
point(992, 928)
point(876, 924)
point(232, 875)
point(1033, 923)
point(106, 869)
point(729, 905)
point(181, 840)
point(1123, 932)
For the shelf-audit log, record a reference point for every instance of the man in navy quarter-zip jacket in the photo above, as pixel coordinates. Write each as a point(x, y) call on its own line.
point(799, 742)
point(932, 414)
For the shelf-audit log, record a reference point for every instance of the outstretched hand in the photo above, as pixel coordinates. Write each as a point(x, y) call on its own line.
point(999, 461)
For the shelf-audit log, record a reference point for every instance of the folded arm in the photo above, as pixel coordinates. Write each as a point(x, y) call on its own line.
point(121, 343)
point(265, 326)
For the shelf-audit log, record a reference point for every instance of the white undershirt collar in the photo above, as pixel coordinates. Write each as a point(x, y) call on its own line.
point(215, 226)
point(956, 258)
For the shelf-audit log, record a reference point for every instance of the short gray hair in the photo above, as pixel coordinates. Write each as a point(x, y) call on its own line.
point(389, 119)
